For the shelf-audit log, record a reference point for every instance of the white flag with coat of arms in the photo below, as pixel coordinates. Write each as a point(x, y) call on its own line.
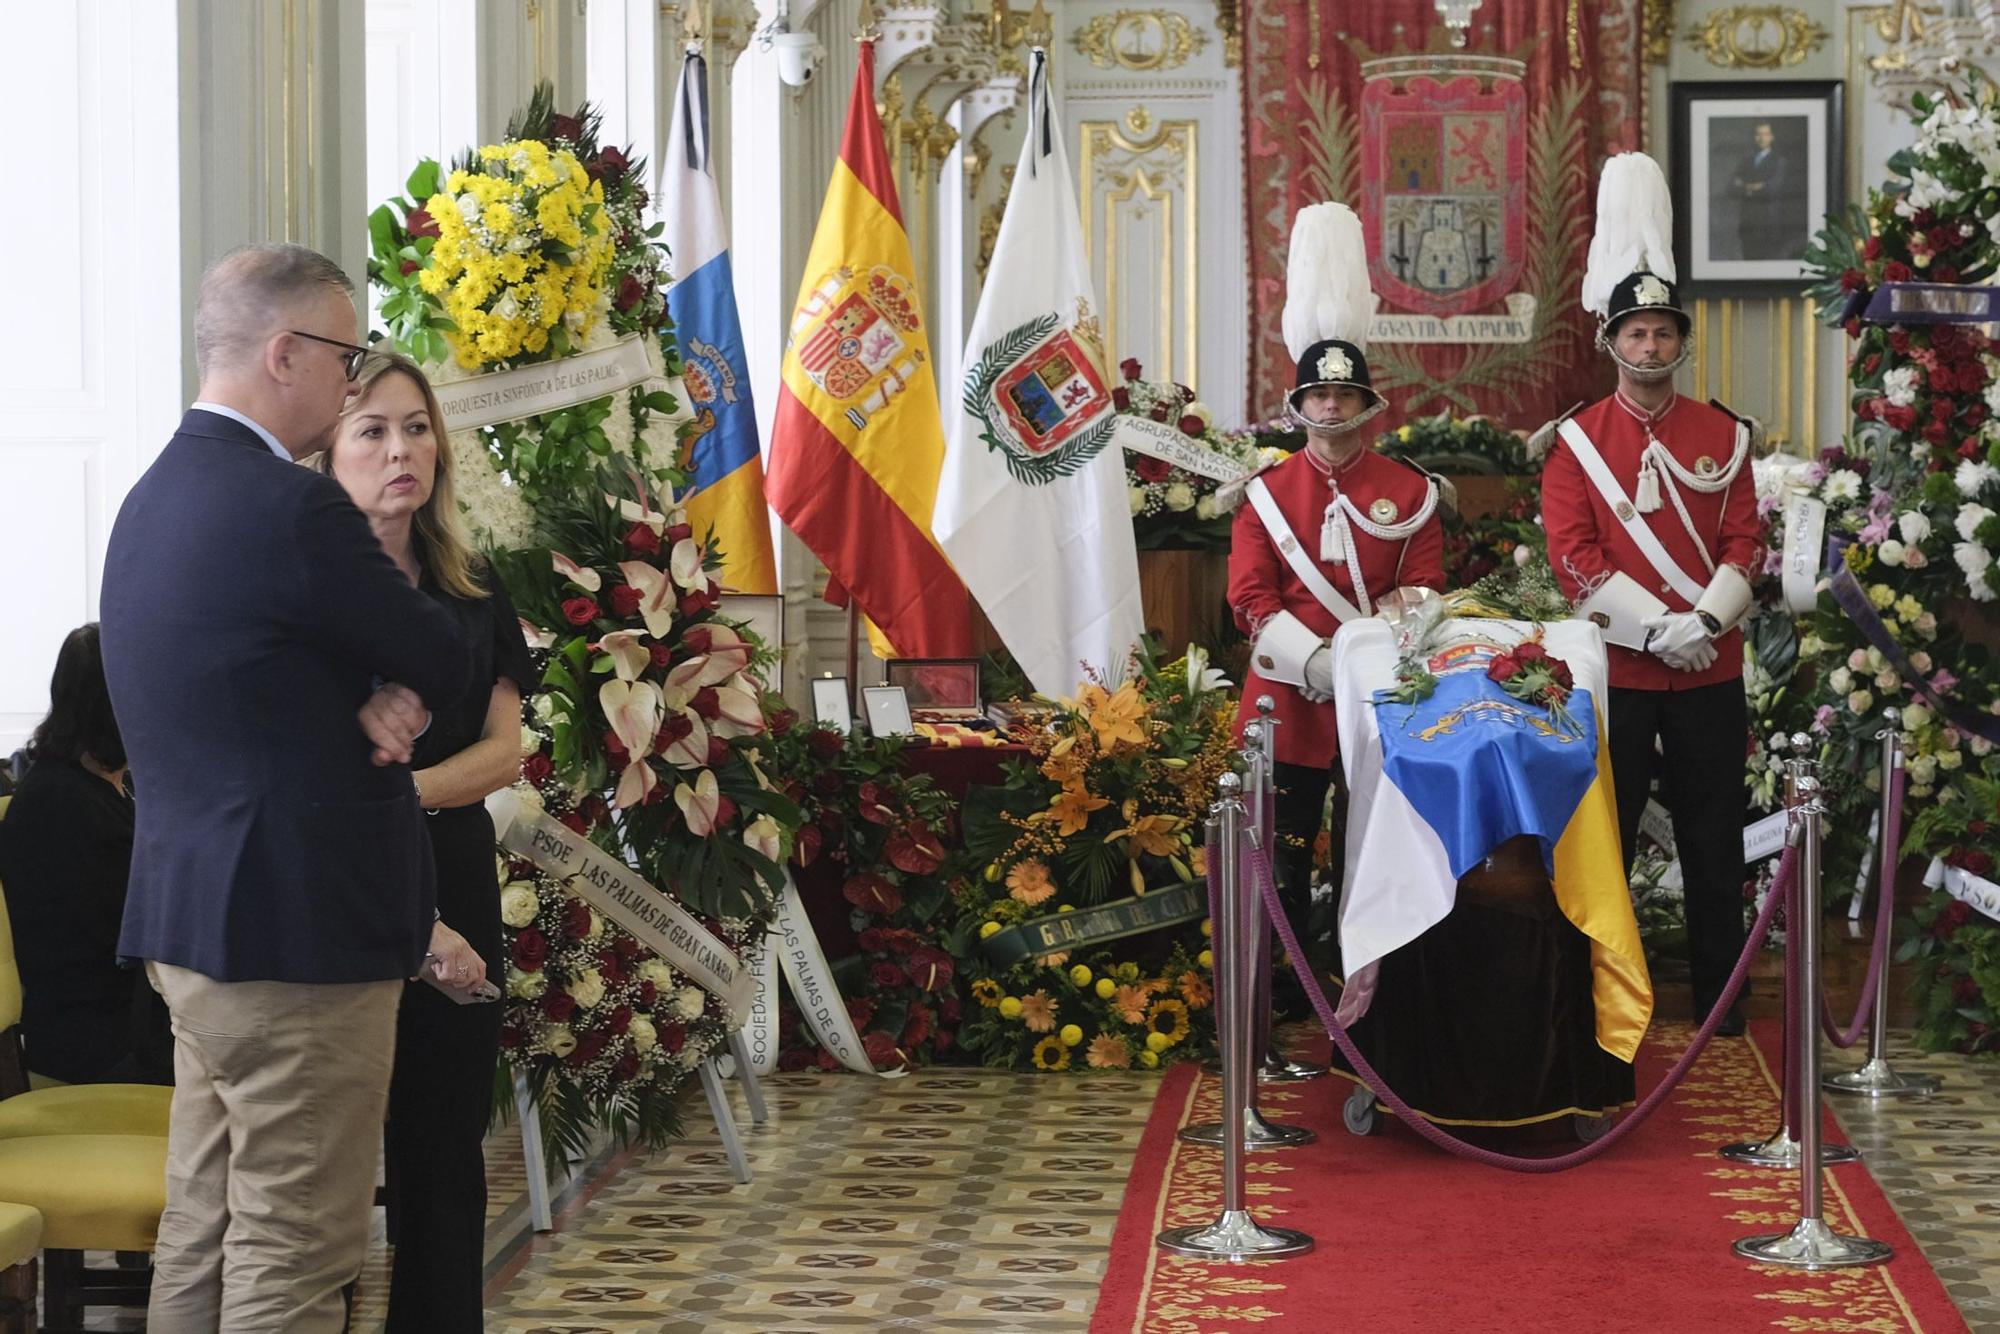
point(1032, 505)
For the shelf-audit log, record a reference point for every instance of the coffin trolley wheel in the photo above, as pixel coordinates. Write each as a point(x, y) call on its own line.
point(1358, 1113)
point(1590, 1129)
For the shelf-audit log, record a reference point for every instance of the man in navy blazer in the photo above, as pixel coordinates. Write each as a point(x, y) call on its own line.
point(267, 663)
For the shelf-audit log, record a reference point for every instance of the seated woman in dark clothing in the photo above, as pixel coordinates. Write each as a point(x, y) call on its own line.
point(65, 853)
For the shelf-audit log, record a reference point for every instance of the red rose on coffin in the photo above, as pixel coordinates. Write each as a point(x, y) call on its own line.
point(930, 968)
point(1531, 651)
point(579, 611)
point(531, 949)
point(537, 769)
point(872, 893)
point(642, 539)
point(420, 223)
point(1151, 469)
point(624, 599)
point(1560, 670)
point(1503, 668)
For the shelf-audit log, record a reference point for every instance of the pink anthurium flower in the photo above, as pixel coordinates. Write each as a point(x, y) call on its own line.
point(587, 579)
point(764, 835)
point(740, 712)
point(699, 803)
point(686, 739)
point(629, 657)
point(640, 511)
point(535, 635)
point(686, 564)
point(722, 645)
point(633, 709)
point(635, 784)
point(657, 601)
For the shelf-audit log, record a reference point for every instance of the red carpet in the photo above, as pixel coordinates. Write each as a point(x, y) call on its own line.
point(1410, 1239)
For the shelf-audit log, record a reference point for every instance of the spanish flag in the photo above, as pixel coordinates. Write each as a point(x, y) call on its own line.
point(857, 442)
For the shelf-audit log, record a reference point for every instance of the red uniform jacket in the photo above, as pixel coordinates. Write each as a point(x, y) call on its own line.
point(1587, 543)
point(1261, 584)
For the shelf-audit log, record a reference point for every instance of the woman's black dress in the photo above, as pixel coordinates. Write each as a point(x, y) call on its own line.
point(65, 855)
point(441, 1093)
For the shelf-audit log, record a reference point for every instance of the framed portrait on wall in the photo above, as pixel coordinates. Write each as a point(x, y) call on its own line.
point(1757, 166)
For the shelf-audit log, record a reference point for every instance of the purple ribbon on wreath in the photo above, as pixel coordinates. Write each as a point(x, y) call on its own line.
point(1853, 599)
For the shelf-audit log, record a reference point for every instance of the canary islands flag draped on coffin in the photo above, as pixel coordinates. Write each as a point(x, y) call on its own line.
point(725, 499)
point(1032, 503)
point(857, 443)
point(1436, 786)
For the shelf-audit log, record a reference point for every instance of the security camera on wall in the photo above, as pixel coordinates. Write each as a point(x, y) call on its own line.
point(799, 54)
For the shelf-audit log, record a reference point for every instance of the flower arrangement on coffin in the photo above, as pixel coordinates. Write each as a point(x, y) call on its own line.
point(1109, 804)
point(1173, 508)
point(1958, 979)
point(887, 830)
point(527, 251)
point(1445, 443)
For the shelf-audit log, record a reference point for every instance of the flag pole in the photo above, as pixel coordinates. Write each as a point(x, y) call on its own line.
point(853, 649)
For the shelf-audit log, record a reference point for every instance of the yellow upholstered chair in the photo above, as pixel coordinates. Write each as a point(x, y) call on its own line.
point(69, 1158)
point(78, 1109)
point(20, 1242)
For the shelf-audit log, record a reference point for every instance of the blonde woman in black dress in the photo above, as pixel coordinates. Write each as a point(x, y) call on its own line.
point(391, 457)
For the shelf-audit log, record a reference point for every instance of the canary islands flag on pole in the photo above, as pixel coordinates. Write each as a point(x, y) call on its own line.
point(858, 442)
point(726, 496)
point(1436, 786)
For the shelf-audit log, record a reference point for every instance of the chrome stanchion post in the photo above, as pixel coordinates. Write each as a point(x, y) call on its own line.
point(1252, 955)
point(1235, 1235)
point(1877, 1078)
point(1811, 1244)
point(1781, 1148)
point(1274, 1067)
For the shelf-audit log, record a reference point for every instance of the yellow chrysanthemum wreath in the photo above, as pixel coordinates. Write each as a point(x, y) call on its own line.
point(523, 250)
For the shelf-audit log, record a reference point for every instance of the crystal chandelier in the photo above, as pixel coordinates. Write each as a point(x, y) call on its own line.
point(1457, 15)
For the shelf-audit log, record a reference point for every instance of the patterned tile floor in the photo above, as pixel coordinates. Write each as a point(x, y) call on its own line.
point(977, 1202)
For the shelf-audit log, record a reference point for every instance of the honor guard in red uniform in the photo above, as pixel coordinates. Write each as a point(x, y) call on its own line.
point(1322, 537)
point(1652, 527)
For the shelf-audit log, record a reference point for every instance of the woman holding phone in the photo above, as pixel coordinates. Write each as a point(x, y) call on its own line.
point(391, 458)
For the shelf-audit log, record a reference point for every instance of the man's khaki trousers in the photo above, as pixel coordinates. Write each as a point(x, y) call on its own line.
point(279, 1094)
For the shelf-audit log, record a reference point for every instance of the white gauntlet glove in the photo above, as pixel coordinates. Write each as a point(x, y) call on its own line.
point(1680, 640)
point(1318, 685)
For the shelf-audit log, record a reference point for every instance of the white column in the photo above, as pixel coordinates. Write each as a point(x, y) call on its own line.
point(422, 92)
point(90, 382)
point(623, 78)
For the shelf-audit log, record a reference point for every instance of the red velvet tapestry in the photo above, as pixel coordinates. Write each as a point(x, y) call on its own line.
point(1474, 171)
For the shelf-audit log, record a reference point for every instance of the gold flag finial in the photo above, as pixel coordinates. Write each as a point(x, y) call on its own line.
point(1041, 29)
point(866, 29)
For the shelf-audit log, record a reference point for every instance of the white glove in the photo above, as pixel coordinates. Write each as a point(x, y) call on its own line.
point(1680, 640)
point(1319, 674)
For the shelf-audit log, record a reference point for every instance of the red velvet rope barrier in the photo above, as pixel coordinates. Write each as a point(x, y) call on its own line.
point(1885, 923)
point(1260, 865)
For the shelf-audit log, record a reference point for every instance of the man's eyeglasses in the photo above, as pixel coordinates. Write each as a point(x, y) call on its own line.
point(353, 360)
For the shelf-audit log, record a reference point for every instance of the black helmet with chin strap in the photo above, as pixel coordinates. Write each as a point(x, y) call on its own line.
point(1328, 307)
point(1631, 264)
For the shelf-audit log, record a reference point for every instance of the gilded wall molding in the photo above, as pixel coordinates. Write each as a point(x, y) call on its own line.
point(1141, 40)
point(1758, 37)
point(1127, 174)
